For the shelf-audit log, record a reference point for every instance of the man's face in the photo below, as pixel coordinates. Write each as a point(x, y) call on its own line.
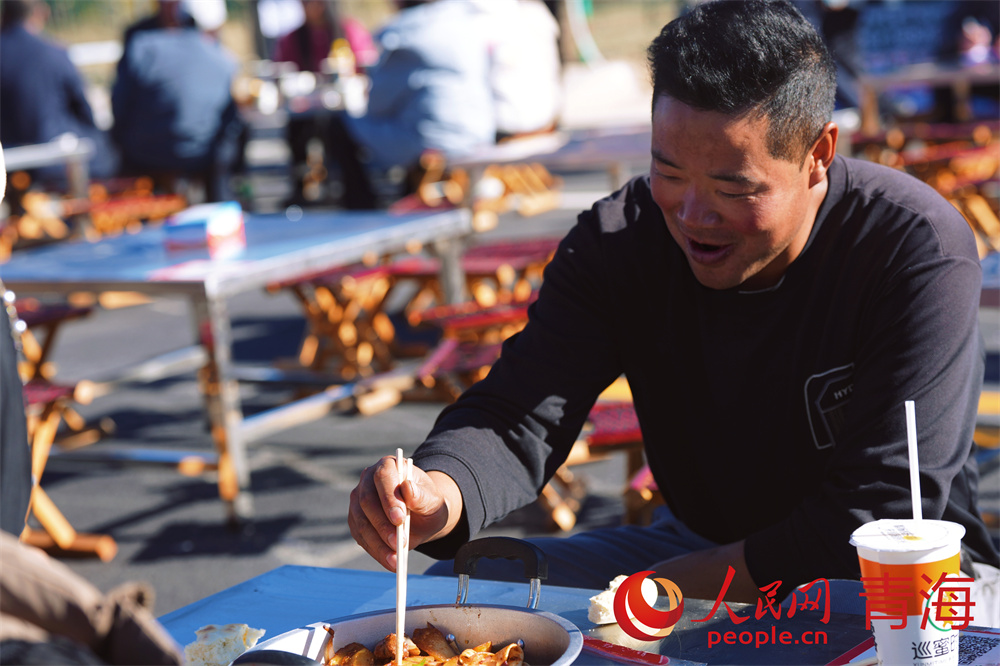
point(739, 215)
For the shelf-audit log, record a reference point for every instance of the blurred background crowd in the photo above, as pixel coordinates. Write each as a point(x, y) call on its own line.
point(359, 89)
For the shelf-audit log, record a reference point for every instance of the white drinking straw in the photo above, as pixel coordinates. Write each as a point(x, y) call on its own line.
point(911, 443)
point(403, 468)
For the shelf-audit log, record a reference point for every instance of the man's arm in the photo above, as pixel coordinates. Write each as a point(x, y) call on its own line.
point(494, 449)
point(506, 436)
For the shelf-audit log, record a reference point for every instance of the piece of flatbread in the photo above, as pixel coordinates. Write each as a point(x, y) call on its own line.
point(218, 645)
point(602, 606)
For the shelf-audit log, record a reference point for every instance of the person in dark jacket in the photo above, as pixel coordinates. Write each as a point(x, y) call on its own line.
point(168, 14)
point(173, 108)
point(15, 456)
point(772, 305)
point(41, 92)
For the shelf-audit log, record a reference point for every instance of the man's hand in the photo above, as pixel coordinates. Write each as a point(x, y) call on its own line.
point(700, 575)
point(379, 501)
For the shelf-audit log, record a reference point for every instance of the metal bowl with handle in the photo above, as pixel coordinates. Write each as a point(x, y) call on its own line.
point(548, 638)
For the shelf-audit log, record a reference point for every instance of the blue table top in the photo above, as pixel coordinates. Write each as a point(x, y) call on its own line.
point(291, 596)
point(278, 247)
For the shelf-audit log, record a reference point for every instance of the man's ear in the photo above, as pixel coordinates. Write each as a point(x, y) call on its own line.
point(822, 153)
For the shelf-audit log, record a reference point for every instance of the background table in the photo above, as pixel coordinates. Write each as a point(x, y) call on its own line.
point(932, 75)
point(295, 596)
point(278, 248)
point(608, 148)
point(72, 151)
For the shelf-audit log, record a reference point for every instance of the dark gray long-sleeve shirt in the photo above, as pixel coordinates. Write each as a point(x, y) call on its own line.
point(776, 416)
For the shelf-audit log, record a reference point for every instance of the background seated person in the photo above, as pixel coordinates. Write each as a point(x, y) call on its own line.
point(771, 303)
point(41, 91)
point(309, 44)
point(430, 90)
point(168, 14)
point(525, 72)
point(173, 109)
point(307, 47)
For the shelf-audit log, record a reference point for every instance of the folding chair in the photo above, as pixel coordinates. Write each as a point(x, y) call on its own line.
point(47, 405)
point(470, 340)
point(42, 320)
point(611, 427)
point(495, 272)
point(347, 331)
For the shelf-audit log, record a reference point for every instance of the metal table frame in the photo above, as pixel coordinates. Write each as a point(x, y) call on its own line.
point(72, 151)
point(278, 248)
point(952, 75)
point(609, 148)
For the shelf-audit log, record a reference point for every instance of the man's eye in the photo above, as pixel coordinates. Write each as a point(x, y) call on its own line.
point(736, 195)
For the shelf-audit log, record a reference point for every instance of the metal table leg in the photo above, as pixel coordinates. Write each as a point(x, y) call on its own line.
point(452, 276)
point(222, 401)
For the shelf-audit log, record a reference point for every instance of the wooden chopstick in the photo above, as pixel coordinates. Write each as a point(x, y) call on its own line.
point(403, 467)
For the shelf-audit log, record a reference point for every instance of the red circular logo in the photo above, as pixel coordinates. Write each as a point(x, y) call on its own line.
point(629, 597)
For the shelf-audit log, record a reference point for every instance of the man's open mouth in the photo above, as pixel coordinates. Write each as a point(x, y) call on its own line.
point(705, 247)
point(707, 253)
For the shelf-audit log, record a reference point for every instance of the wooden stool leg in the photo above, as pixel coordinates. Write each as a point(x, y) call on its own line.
point(51, 518)
point(58, 532)
point(87, 544)
point(559, 511)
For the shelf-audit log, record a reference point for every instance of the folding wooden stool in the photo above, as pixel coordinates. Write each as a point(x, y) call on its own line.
point(110, 207)
point(453, 366)
point(495, 272)
point(347, 331)
point(473, 323)
point(612, 426)
point(471, 338)
point(960, 161)
point(47, 405)
point(44, 321)
point(987, 438)
point(642, 496)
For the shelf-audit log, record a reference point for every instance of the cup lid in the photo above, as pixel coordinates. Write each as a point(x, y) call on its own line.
point(905, 535)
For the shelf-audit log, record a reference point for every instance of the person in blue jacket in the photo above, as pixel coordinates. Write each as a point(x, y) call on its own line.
point(174, 112)
point(430, 90)
point(41, 92)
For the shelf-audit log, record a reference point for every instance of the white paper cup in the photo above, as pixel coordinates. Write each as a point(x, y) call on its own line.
point(897, 559)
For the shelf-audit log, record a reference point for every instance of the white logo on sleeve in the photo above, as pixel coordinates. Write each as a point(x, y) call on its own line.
point(827, 394)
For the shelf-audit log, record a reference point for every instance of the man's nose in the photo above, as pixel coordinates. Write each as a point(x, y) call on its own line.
point(695, 208)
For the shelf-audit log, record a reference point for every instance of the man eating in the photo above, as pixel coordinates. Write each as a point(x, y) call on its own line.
point(772, 305)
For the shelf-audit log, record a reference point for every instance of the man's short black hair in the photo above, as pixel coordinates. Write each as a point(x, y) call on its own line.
point(753, 57)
